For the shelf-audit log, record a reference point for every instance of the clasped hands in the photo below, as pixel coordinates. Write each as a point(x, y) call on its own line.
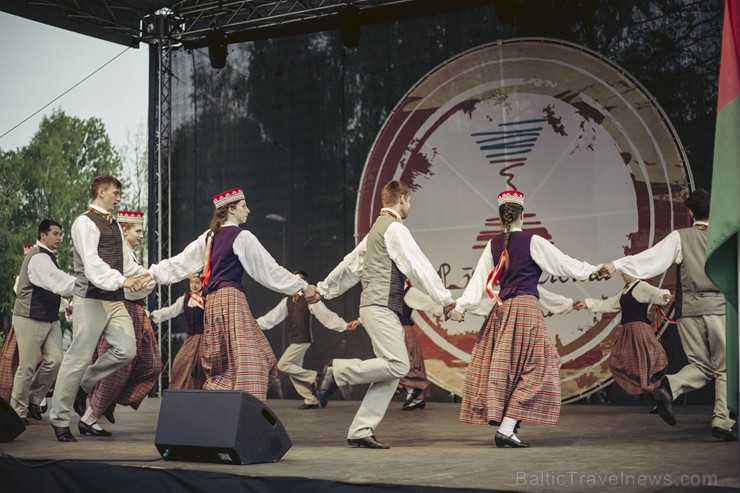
point(312, 294)
point(452, 314)
point(138, 282)
point(605, 270)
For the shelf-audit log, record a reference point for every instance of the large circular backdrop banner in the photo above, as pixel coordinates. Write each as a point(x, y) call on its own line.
point(601, 168)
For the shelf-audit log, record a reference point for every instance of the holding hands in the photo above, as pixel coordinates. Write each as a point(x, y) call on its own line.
point(138, 282)
point(354, 324)
point(578, 305)
point(312, 294)
point(606, 270)
point(452, 314)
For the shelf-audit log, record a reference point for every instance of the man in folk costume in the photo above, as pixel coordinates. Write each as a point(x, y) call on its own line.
point(9, 351)
point(298, 312)
point(130, 384)
point(236, 353)
point(700, 312)
point(102, 271)
point(41, 285)
point(382, 260)
point(513, 374)
point(187, 369)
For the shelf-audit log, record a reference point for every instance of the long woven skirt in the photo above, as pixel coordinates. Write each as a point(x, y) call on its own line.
point(130, 385)
point(8, 364)
point(514, 368)
point(236, 354)
point(416, 378)
point(638, 360)
point(187, 369)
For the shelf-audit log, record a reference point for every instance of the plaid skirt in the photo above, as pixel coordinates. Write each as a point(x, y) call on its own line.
point(514, 368)
point(130, 385)
point(416, 378)
point(638, 360)
point(187, 369)
point(236, 353)
point(8, 364)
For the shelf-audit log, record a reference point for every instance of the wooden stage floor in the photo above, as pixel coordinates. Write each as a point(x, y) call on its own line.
point(593, 448)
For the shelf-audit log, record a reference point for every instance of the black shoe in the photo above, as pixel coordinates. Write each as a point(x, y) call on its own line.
point(63, 434)
point(413, 395)
point(410, 406)
point(110, 416)
point(664, 401)
point(80, 404)
point(308, 406)
point(25, 422)
point(43, 407)
point(34, 412)
point(86, 428)
point(502, 441)
point(328, 387)
point(724, 435)
point(367, 442)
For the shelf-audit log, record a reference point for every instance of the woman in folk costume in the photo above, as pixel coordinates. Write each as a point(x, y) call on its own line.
point(187, 369)
point(129, 385)
point(9, 352)
point(236, 354)
point(638, 360)
point(513, 374)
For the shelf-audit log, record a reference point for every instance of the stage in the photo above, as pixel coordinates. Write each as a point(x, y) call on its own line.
point(593, 448)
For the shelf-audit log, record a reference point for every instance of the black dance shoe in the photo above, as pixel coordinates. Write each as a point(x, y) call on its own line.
point(34, 412)
point(63, 434)
point(328, 387)
point(367, 442)
point(86, 428)
point(80, 404)
point(664, 402)
point(502, 441)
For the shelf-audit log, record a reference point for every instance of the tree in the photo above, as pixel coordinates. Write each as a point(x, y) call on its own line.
point(48, 178)
point(135, 177)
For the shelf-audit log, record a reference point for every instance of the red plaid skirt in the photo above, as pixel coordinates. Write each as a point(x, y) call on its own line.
point(130, 385)
point(638, 360)
point(187, 369)
point(236, 354)
point(8, 364)
point(416, 378)
point(514, 368)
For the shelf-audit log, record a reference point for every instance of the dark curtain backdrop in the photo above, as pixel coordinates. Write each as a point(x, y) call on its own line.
point(291, 120)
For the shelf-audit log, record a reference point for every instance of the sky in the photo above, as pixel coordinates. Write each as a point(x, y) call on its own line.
point(39, 62)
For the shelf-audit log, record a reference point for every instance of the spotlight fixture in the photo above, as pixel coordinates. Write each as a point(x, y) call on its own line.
point(217, 47)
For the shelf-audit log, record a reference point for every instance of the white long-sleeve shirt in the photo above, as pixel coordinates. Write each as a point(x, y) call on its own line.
point(142, 293)
point(551, 304)
point(175, 309)
point(403, 251)
point(85, 238)
point(256, 260)
point(328, 318)
point(656, 259)
point(543, 253)
point(644, 293)
point(44, 274)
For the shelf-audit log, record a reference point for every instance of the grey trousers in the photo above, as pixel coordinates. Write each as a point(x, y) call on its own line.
point(31, 384)
point(291, 363)
point(382, 372)
point(703, 341)
point(92, 320)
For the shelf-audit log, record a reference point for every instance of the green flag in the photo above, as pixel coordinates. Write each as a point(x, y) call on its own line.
point(724, 219)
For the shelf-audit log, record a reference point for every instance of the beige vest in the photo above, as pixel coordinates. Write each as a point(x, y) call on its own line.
point(696, 294)
point(382, 282)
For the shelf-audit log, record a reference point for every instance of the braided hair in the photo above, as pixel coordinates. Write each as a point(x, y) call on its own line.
point(219, 218)
point(509, 212)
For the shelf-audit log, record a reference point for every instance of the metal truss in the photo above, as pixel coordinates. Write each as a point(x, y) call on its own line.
point(160, 224)
point(131, 22)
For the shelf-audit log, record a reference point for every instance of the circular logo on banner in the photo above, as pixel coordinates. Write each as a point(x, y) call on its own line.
point(601, 168)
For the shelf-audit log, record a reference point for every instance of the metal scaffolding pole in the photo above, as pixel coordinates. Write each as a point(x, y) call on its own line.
point(160, 119)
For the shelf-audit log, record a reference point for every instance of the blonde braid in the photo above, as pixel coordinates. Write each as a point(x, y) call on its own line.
point(508, 213)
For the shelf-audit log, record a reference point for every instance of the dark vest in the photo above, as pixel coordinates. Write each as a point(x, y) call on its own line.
point(299, 320)
point(226, 270)
point(696, 294)
point(193, 317)
point(382, 282)
point(633, 310)
point(32, 301)
point(406, 311)
point(110, 250)
point(523, 273)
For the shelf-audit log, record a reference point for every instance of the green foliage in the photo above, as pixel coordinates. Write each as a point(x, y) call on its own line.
point(48, 178)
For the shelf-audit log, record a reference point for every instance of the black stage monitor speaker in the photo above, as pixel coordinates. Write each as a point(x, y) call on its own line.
point(227, 426)
point(10, 423)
